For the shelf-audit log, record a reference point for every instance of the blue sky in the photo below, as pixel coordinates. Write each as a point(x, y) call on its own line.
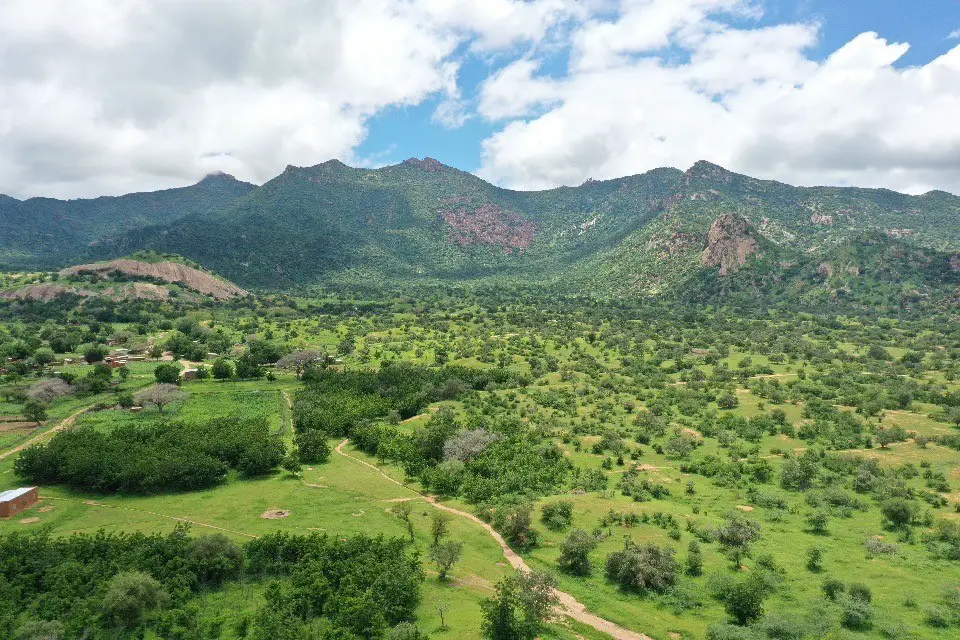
point(410, 131)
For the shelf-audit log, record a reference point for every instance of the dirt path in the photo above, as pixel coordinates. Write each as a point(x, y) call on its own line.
point(569, 606)
point(66, 422)
point(287, 416)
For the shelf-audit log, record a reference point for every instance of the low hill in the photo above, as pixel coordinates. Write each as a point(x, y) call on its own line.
point(129, 278)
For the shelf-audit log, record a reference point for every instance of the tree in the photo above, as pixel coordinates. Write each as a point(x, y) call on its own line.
point(312, 446)
point(167, 374)
point(215, 558)
point(43, 356)
point(41, 630)
point(516, 525)
point(445, 555)
point(160, 396)
point(694, 562)
point(575, 553)
point(248, 369)
point(403, 511)
point(737, 535)
point(178, 343)
point(818, 521)
point(222, 369)
point(48, 390)
point(131, 596)
point(521, 605)
point(642, 567)
point(743, 599)
point(95, 353)
point(439, 526)
point(291, 463)
point(899, 512)
point(34, 411)
point(298, 361)
point(815, 559)
point(886, 437)
point(557, 516)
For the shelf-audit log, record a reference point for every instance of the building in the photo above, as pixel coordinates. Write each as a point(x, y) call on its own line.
point(189, 374)
point(16, 501)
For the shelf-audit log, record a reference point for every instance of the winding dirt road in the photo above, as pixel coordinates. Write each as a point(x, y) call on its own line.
point(66, 422)
point(569, 606)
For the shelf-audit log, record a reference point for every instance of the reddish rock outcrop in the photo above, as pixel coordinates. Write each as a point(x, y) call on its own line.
point(489, 225)
point(172, 272)
point(729, 243)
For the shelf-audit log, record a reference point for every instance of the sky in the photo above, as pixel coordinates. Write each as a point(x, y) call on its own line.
point(104, 97)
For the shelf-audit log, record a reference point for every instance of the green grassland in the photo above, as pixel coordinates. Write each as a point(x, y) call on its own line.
point(580, 381)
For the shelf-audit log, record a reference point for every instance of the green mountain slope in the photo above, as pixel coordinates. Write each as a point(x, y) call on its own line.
point(702, 233)
point(418, 219)
point(48, 233)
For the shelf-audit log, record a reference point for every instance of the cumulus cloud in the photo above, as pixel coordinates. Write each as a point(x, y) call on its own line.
point(106, 97)
point(103, 97)
point(955, 35)
point(753, 100)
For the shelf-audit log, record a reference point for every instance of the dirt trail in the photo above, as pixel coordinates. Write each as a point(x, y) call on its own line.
point(66, 422)
point(569, 606)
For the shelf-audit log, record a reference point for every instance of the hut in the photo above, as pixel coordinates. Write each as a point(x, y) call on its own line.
point(16, 501)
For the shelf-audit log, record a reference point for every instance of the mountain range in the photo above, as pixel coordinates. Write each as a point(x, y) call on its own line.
point(696, 234)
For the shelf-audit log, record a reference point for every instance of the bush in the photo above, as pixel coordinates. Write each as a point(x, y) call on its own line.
point(312, 446)
point(855, 614)
point(575, 553)
point(558, 515)
point(642, 568)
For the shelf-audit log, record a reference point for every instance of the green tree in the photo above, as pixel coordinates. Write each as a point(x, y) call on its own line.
point(439, 526)
point(34, 411)
point(743, 598)
point(312, 446)
point(222, 369)
point(575, 553)
point(214, 558)
point(130, 597)
point(445, 555)
point(167, 373)
point(521, 605)
point(95, 353)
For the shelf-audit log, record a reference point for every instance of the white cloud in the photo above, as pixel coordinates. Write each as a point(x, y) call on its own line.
point(753, 100)
point(955, 35)
point(104, 97)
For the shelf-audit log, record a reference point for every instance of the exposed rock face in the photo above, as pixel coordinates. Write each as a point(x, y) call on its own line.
point(729, 242)
point(172, 272)
point(955, 262)
point(488, 225)
point(431, 165)
point(821, 219)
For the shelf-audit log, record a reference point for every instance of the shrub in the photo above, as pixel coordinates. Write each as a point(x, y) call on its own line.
point(557, 515)
point(575, 553)
point(643, 567)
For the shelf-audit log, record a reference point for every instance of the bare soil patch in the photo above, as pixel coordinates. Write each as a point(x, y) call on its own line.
point(744, 507)
point(30, 520)
point(46, 509)
point(275, 514)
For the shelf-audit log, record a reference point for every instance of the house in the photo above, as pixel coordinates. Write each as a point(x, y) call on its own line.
point(16, 501)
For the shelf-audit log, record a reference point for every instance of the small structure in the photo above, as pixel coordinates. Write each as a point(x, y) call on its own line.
point(16, 501)
point(189, 374)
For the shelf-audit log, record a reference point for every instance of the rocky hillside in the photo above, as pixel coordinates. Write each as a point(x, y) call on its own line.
point(129, 279)
point(165, 272)
point(704, 229)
